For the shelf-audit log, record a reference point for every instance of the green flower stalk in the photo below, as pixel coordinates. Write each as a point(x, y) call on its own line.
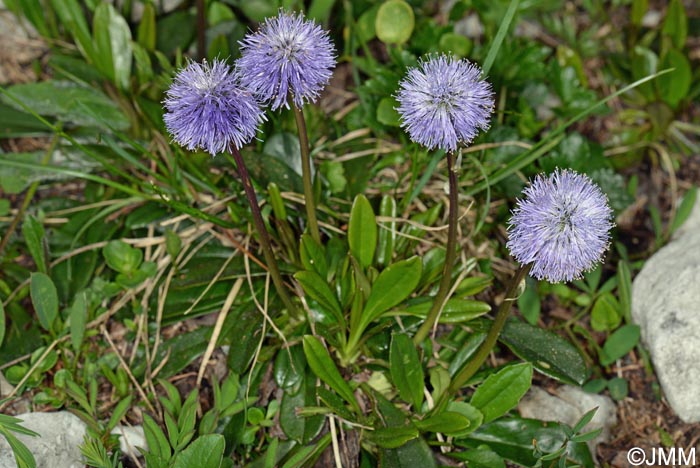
point(289, 58)
point(207, 108)
point(443, 104)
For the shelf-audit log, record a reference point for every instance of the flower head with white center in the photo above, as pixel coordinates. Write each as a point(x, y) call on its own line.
point(561, 226)
point(444, 102)
point(288, 56)
point(208, 109)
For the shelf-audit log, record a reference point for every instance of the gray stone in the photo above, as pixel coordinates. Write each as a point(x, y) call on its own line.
point(131, 437)
point(5, 387)
point(60, 436)
point(666, 306)
point(568, 406)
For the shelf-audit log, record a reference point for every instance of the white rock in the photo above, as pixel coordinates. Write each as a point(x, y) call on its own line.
point(5, 387)
point(61, 434)
point(130, 438)
point(666, 306)
point(567, 406)
point(57, 444)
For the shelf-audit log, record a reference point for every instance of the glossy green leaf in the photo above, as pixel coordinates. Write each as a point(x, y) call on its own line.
point(289, 368)
point(77, 315)
point(455, 310)
point(395, 22)
point(684, 209)
point(676, 23)
point(184, 348)
point(244, 337)
point(33, 233)
point(619, 343)
point(674, 86)
point(473, 415)
point(618, 388)
point(456, 44)
point(502, 391)
point(112, 39)
point(605, 315)
point(70, 102)
point(473, 285)
point(317, 288)
point(513, 438)
point(205, 452)
point(393, 437)
point(392, 286)
point(551, 354)
point(323, 366)
point(301, 429)
point(362, 231)
point(447, 422)
point(121, 257)
point(44, 299)
point(413, 454)
point(320, 10)
point(481, 457)
point(313, 256)
point(71, 15)
point(406, 370)
point(387, 113)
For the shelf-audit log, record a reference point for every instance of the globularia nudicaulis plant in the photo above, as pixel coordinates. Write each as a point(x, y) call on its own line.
point(558, 231)
point(371, 346)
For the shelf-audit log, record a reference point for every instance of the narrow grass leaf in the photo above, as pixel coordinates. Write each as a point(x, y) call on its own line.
point(500, 35)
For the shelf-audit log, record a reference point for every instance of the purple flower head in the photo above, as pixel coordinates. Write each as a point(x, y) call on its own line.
point(444, 102)
point(562, 226)
point(207, 108)
point(287, 55)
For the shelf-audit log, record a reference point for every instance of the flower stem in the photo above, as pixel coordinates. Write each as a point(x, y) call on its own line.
point(262, 232)
point(450, 256)
point(201, 30)
point(306, 175)
point(486, 347)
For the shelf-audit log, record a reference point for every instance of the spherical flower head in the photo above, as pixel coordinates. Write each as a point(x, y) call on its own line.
point(562, 226)
point(444, 102)
point(207, 109)
point(288, 55)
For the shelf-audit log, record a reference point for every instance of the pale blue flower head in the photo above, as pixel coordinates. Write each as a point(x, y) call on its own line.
point(561, 226)
point(288, 56)
point(444, 102)
point(208, 109)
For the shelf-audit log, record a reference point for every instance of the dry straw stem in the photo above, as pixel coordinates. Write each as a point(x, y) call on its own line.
point(217, 328)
